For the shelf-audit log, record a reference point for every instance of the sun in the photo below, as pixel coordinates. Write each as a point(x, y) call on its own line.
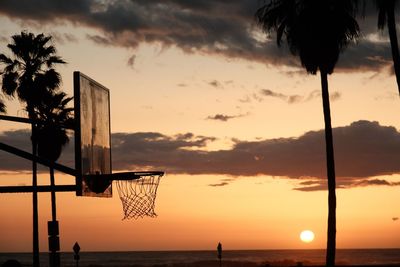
point(307, 236)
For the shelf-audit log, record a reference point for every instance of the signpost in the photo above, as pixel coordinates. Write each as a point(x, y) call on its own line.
point(76, 249)
point(219, 250)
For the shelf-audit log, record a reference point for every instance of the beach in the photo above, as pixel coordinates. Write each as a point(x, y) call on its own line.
point(233, 258)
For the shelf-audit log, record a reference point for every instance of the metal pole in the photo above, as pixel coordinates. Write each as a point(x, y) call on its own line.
point(45, 162)
point(53, 252)
point(53, 195)
point(54, 239)
point(219, 250)
point(35, 228)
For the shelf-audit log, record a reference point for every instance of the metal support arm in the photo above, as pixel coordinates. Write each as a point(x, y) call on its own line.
point(43, 161)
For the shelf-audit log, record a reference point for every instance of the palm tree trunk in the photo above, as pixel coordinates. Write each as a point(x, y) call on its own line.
point(330, 163)
point(391, 22)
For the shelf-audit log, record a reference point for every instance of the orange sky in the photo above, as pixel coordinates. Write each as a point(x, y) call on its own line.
point(250, 213)
point(177, 88)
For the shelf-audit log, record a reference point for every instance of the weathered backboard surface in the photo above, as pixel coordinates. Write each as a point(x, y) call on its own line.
point(92, 133)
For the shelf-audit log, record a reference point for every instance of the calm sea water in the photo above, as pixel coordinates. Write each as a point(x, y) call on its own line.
point(192, 258)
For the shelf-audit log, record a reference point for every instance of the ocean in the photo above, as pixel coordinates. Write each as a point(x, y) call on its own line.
point(242, 258)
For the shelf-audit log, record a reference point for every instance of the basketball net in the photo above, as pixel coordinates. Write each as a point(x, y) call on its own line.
point(138, 196)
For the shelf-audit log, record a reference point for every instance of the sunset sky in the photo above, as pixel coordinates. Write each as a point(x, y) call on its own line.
point(198, 91)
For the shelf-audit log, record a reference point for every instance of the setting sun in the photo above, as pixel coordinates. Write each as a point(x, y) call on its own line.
point(307, 236)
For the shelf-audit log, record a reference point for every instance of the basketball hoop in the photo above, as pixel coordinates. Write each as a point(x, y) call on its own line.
point(93, 165)
point(138, 195)
point(137, 191)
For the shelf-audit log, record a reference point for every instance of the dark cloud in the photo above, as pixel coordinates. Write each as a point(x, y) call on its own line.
point(219, 185)
point(267, 92)
point(63, 38)
point(293, 99)
point(376, 182)
point(316, 184)
point(21, 140)
point(225, 28)
point(395, 219)
point(363, 150)
point(222, 117)
point(100, 40)
point(335, 96)
point(215, 84)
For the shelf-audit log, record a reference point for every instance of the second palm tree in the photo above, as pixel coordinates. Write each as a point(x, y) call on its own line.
point(317, 31)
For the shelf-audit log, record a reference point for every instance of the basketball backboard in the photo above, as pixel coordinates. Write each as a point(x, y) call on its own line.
point(92, 133)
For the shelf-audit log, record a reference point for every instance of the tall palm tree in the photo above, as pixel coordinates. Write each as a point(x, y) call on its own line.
point(317, 31)
point(29, 73)
point(386, 16)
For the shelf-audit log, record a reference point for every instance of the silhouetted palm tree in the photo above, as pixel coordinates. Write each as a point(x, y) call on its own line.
point(317, 31)
point(29, 74)
point(386, 17)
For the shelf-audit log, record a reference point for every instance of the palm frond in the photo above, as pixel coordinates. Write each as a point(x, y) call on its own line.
point(2, 107)
point(382, 18)
point(383, 7)
point(54, 60)
point(5, 60)
point(9, 83)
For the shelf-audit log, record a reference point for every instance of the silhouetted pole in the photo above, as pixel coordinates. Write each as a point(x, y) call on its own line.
point(53, 229)
point(53, 196)
point(76, 249)
point(35, 228)
point(219, 250)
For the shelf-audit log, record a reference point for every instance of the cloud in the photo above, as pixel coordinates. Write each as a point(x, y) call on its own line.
point(395, 219)
point(63, 38)
point(363, 150)
point(376, 182)
point(100, 40)
point(315, 185)
point(249, 98)
point(21, 139)
point(224, 28)
point(215, 84)
point(335, 96)
point(131, 61)
point(219, 185)
point(294, 99)
point(222, 117)
point(267, 92)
